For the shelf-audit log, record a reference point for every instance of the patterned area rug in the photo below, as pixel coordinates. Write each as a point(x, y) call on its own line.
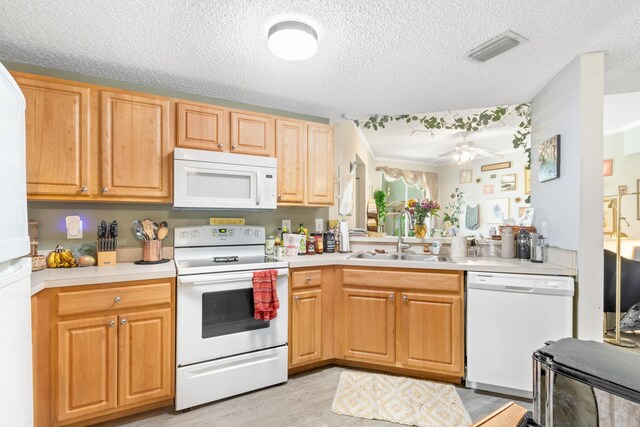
point(400, 400)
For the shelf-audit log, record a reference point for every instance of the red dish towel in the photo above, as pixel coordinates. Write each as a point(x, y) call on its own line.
point(265, 296)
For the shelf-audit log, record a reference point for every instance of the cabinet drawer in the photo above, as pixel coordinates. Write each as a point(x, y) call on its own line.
point(78, 302)
point(306, 279)
point(399, 279)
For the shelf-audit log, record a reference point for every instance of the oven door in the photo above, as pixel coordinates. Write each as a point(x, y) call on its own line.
point(215, 317)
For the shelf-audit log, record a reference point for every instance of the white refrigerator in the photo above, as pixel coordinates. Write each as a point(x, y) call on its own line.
point(16, 384)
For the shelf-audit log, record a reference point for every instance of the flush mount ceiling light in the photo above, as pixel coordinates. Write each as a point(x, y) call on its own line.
point(293, 40)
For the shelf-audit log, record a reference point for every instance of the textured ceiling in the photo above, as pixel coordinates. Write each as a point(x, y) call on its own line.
point(410, 142)
point(621, 112)
point(385, 56)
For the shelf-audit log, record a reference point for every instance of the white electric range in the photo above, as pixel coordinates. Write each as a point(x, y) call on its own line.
point(221, 349)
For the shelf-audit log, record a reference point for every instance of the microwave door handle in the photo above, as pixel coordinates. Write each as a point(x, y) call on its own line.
point(259, 191)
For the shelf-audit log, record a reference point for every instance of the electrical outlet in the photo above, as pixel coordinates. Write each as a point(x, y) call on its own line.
point(319, 225)
point(74, 227)
point(286, 223)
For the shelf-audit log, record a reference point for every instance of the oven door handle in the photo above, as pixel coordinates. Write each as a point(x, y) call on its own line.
point(206, 279)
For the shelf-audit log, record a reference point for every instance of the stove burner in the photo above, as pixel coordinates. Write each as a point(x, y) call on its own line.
point(225, 259)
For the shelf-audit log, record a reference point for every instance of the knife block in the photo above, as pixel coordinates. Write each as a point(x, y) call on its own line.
point(106, 258)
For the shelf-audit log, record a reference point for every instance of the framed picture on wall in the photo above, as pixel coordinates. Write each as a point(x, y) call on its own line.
point(508, 182)
point(527, 181)
point(607, 167)
point(465, 176)
point(549, 159)
point(488, 189)
point(495, 166)
point(497, 210)
point(609, 220)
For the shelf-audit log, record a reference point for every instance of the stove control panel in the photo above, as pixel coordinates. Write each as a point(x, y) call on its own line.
point(219, 235)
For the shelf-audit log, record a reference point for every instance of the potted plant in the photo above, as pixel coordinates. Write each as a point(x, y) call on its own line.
point(380, 198)
point(421, 209)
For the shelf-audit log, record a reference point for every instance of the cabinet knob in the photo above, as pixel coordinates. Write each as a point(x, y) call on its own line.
point(296, 298)
point(405, 298)
point(83, 189)
point(112, 323)
point(391, 297)
point(123, 321)
point(220, 145)
point(105, 189)
point(233, 147)
point(279, 196)
point(308, 278)
point(116, 299)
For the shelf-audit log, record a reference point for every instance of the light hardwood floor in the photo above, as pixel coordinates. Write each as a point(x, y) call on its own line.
point(305, 400)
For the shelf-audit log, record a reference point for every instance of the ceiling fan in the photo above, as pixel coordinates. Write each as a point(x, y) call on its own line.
point(465, 152)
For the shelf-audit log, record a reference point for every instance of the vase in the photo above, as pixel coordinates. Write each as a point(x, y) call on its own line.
point(420, 230)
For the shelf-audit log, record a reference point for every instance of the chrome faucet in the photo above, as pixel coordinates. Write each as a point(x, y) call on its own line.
point(403, 247)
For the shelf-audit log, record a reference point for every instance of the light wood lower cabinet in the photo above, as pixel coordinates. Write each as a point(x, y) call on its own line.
point(430, 332)
point(145, 371)
point(311, 323)
point(87, 372)
point(306, 327)
point(95, 366)
point(401, 320)
point(368, 322)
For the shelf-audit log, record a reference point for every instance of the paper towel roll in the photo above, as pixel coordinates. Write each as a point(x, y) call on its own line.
point(344, 231)
point(459, 246)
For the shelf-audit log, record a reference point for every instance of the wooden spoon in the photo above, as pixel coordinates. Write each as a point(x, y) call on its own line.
point(162, 232)
point(147, 225)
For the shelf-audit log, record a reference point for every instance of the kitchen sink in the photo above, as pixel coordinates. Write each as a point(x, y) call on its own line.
point(372, 255)
point(400, 257)
point(425, 258)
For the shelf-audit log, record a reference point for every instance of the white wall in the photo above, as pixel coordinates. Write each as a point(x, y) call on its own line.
point(450, 179)
point(569, 209)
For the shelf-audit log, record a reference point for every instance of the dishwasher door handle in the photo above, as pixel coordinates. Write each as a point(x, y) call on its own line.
point(519, 289)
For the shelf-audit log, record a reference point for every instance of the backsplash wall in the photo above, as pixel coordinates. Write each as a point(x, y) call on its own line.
point(52, 230)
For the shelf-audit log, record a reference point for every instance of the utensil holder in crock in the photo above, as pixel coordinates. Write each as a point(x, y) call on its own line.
point(152, 250)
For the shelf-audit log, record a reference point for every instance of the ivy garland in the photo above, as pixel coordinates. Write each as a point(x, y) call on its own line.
point(470, 123)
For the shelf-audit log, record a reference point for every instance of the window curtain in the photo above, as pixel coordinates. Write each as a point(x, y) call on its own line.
point(418, 179)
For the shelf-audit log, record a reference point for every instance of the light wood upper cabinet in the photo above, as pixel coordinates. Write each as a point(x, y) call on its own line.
point(368, 324)
point(86, 366)
point(431, 332)
point(320, 146)
point(291, 151)
point(58, 137)
point(306, 327)
point(204, 127)
point(252, 134)
point(144, 363)
point(135, 146)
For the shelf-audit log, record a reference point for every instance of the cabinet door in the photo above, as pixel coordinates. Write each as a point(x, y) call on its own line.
point(252, 134)
point(86, 366)
point(431, 332)
point(368, 325)
point(145, 367)
point(291, 151)
point(202, 127)
point(135, 147)
point(320, 165)
point(306, 327)
point(57, 134)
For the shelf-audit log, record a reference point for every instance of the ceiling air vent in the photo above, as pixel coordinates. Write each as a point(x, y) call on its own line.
point(495, 46)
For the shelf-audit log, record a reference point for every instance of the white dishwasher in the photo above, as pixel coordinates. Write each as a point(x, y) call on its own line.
point(509, 316)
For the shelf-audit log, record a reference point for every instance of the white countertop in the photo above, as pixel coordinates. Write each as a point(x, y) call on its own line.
point(487, 264)
point(121, 272)
point(128, 271)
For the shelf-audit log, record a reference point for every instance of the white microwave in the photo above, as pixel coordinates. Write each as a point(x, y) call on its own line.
point(214, 180)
